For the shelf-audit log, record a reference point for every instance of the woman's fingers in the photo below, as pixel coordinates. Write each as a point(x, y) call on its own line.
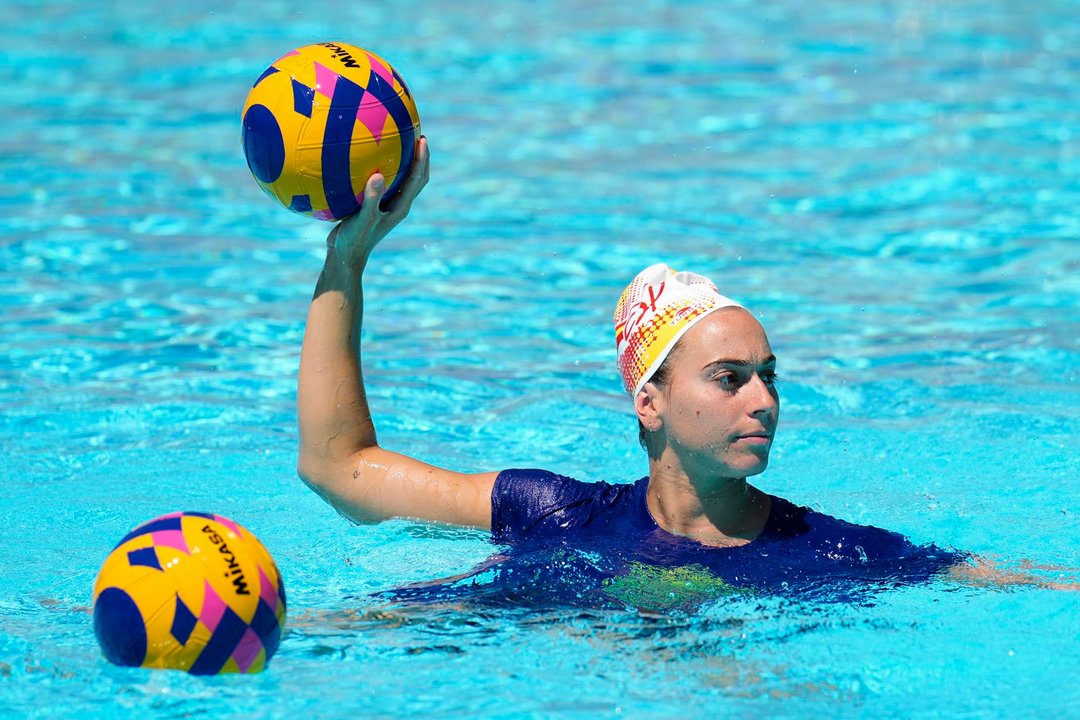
point(373, 192)
point(365, 228)
point(418, 178)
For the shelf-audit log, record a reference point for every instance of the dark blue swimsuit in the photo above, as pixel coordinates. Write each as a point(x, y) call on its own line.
point(596, 544)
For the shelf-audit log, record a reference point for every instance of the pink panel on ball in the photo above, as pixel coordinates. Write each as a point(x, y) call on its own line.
point(213, 608)
point(380, 69)
point(171, 538)
point(374, 117)
point(267, 591)
point(247, 650)
point(325, 80)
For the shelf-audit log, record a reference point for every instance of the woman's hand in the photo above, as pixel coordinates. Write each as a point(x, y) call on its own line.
point(981, 572)
point(353, 239)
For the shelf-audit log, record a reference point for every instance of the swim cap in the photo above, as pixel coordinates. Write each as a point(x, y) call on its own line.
point(655, 310)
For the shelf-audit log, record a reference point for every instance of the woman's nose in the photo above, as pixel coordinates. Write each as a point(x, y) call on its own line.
point(764, 398)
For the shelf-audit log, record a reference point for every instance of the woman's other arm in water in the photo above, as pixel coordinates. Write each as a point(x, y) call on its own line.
point(980, 572)
point(339, 457)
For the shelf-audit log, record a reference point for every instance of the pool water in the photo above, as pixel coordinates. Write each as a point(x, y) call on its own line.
point(891, 187)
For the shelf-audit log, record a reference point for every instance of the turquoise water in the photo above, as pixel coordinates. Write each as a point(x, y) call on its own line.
point(890, 186)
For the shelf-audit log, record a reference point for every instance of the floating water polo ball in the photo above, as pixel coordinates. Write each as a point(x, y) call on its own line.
point(190, 591)
point(321, 120)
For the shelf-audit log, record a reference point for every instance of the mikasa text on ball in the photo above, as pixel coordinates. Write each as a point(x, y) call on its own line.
point(321, 120)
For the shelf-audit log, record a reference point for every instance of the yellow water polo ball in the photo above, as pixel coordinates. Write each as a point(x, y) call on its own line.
point(190, 591)
point(321, 120)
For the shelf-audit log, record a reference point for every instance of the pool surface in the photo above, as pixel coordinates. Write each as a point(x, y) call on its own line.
point(890, 186)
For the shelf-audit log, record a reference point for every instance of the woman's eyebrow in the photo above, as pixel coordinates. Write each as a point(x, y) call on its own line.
point(739, 362)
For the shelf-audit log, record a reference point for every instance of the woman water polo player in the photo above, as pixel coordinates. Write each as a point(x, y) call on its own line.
point(701, 374)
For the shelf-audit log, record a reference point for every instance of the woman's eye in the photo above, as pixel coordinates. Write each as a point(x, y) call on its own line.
point(733, 381)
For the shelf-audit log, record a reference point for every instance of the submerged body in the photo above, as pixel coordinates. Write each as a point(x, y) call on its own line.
point(598, 545)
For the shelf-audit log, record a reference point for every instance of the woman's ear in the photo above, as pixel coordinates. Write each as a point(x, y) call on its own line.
point(648, 404)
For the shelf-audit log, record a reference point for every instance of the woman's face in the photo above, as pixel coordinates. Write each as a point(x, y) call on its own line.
point(720, 406)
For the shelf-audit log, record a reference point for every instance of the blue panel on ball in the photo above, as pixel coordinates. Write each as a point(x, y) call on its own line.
point(300, 203)
point(264, 621)
point(401, 80)
point(266, 626)
point(119, 628)
point(263, 144)
point(337, 147)
point(223, 642)
point(146, 557)
point(183, 622)
point(396, 107)
point(266, 73)
point(378, 87)
point(171, 523)
point(303, 98)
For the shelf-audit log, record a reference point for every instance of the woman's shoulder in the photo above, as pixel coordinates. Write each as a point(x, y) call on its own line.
point(529, 502)
point(833, 534)
point(786, 519)
point(832, 537)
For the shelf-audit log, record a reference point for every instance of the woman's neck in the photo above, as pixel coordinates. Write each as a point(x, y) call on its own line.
point(722, 511)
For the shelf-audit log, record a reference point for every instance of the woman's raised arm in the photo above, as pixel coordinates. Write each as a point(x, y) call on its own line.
point(339, 456)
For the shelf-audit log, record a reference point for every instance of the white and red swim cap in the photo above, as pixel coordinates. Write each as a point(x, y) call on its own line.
point(655, 310)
